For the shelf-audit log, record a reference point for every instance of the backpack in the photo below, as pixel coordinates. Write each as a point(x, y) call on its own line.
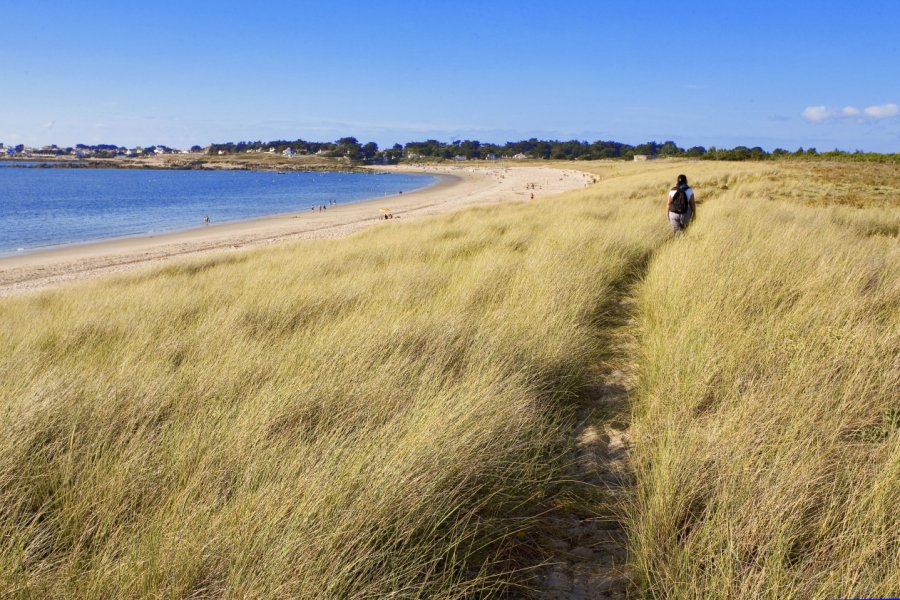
point(680, 203)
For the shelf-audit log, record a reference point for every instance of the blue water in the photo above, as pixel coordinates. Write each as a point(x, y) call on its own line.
point(47, 207)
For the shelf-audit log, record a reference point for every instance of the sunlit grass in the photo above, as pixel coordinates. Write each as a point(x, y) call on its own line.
point(385, 415)
point(767, 430)
point(362, 417)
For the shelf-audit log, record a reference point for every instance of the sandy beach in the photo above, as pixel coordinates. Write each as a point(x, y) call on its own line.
point(458, 187)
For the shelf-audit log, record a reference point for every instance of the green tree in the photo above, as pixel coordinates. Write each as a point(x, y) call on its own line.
point(650, 149)
point(349, 147)
point(369, 150)
point(669, 148)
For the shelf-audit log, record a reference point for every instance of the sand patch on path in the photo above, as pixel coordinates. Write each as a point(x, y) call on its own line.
point(458, 187)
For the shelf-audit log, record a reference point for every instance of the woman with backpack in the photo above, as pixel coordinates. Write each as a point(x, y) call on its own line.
point(680, 205)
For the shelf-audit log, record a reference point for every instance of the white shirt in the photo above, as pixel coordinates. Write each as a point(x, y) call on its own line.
point(688, 192)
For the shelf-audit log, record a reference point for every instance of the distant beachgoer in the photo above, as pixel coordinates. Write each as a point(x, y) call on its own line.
point(681, 206)
point(206, 219)
point(532, 195)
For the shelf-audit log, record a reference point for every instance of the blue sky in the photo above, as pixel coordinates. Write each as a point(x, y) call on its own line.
point(774, 74)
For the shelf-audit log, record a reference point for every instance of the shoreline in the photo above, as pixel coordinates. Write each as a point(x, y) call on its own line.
point(189, 162)
point(73, 247)
point(457, 187)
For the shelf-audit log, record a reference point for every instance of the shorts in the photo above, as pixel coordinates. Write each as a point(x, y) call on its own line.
point(679, 221)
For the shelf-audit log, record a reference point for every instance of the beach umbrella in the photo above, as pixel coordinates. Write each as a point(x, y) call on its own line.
point(384, 209)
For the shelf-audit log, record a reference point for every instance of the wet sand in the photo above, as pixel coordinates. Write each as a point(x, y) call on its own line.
point(458, 187)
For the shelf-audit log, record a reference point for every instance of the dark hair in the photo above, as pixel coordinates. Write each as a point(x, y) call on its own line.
point(682, 180)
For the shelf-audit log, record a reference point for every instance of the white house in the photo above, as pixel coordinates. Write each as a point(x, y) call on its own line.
point(289, 152)
point(519, 156)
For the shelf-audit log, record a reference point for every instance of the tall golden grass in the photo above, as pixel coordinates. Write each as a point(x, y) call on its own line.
point(384, 415)
point(369, 417)
point(767, 430)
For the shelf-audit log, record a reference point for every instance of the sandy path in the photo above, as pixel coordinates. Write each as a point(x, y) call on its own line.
point(459, 187)
point(585, 546)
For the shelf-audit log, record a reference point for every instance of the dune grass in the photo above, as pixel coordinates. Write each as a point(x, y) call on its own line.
point(384, 415)
point(369, 417)
point(767, 428)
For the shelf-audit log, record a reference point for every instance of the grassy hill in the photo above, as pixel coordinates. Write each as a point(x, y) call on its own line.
point(383, 415)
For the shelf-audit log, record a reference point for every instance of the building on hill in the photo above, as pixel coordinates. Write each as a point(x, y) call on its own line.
point(640, 157)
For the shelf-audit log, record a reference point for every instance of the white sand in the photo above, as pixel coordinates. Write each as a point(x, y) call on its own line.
point(459, 186)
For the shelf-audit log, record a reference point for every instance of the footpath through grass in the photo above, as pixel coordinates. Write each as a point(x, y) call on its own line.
point(360, 418)
point(386, 415)
point(767, 431)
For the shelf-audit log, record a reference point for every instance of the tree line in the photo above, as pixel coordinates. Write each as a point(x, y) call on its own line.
point(350, 147)
point(354, 150)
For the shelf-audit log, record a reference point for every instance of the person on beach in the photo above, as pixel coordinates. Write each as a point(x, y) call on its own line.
point(680, 205)
point(206, 219)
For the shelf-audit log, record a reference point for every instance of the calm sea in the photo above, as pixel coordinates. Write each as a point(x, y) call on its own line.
point(40, 208)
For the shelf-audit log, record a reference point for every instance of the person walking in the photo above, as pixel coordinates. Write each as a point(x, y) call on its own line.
point(680, 205)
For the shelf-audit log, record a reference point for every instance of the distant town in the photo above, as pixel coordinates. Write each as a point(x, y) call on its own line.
point(84, 151)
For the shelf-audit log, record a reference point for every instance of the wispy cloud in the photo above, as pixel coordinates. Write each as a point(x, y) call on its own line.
point(817, 114)
point(882, 111)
